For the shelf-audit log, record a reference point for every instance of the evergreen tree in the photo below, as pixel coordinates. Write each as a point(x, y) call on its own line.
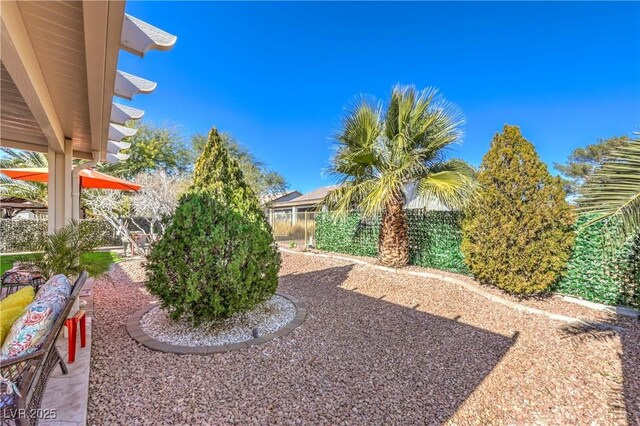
point(583, 162)
point(517, 234)
point(264, 181)
point(218, 255)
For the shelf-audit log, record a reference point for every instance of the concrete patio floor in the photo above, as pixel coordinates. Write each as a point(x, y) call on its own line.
point(68, 394)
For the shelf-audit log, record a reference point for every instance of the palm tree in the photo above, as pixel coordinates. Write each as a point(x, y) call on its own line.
point(378, 156)
point(613, 192)
point(31, 191)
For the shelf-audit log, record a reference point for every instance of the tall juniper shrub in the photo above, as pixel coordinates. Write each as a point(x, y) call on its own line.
point(517, 234)
point(218, 255)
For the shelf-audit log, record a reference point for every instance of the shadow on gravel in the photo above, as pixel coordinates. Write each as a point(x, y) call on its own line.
point(396, 363)
point(631, 371)
point(628, 398)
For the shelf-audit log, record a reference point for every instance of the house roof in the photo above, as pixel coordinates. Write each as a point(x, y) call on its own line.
point(316, 194)
point(310, 199)
point(275, 197)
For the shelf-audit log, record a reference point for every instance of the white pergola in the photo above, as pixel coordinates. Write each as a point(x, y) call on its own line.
point(58, 79)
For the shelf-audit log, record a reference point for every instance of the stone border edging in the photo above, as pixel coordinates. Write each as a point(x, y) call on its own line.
point(618, 310)
point(137, 334)
point(497, 299)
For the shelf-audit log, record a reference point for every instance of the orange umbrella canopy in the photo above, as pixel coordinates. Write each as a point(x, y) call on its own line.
point(88, 178)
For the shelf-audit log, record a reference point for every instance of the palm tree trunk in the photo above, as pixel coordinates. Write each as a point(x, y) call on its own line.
point(393, 245)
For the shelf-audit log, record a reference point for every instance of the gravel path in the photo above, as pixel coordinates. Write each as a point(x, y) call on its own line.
point(376, 348)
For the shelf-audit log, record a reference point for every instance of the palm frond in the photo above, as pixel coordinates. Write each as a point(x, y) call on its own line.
point(18, 158)
point(613, 191)
point(63, 251)
point(356, 154)
point(378, 156)
point(348, 196)
point(419, 126)
point(31, 191)
point(450, 182)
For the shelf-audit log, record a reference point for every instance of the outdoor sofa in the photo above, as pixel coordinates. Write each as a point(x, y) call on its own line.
point(25, 369)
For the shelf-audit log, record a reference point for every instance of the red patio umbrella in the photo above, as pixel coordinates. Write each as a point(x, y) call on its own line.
point(88, 178)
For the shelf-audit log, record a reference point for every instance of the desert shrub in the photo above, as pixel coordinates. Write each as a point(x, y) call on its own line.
point(217, 256)
point(517, 234)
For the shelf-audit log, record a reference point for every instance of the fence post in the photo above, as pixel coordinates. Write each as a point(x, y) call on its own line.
point(305, 228)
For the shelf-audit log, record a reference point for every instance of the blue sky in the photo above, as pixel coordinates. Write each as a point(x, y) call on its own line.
point(278, 75)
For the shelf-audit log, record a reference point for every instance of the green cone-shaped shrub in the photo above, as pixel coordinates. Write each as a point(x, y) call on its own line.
point(517, 233)
point(218, 255)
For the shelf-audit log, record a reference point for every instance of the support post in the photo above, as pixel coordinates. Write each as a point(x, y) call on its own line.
point(59, 190)
point(51, 191)
point(67, 161)
point(294, 215)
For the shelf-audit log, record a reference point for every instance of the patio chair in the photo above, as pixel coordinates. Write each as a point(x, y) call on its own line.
point(28, 374)
point(20, 275)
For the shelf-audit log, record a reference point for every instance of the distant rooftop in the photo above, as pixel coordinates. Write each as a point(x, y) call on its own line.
point(313, 198)
point(310, 199)
point(283, 196)
point(316, 194)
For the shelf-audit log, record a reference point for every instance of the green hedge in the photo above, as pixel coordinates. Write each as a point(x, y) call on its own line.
point(600, 273)
point(594, 271)
point(19, 235)
point(434, 237)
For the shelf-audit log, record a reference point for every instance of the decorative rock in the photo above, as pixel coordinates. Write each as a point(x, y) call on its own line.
point(268, 317)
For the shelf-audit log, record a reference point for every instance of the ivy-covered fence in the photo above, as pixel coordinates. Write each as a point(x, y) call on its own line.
point(349, 234)
point(601, 270)
point(18, 235)
point(434, 237)
point(594, 272)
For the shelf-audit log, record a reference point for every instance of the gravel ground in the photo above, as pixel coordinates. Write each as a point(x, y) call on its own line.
point(268, 317)
point(376, 348)
point(551, 303)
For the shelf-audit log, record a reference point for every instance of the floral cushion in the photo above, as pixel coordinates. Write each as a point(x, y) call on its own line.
point(56, 284)
point(30, 331)
point(20, 298)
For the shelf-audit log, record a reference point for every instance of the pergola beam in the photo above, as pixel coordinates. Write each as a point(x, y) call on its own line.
point(21, 62)
point(26, 146)
point(102, 30)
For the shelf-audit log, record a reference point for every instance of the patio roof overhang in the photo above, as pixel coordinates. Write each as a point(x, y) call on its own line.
point(59, 76)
